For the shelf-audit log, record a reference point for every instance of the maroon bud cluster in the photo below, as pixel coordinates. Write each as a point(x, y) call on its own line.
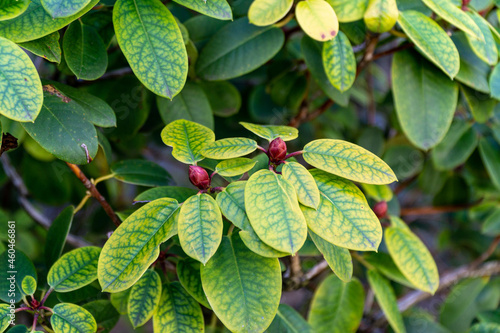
point(199, 177)
point(380, 209)
point(277, 150)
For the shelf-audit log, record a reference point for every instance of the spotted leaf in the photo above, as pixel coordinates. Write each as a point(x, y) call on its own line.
point(229, 148)
point(218, 9)
point(144, 298)
point(71, 318)
point(339, 62)
point(303, 182)
point(317, 19)
point(269, 132)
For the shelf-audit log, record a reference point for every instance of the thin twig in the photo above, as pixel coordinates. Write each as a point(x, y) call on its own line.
point(95, 193)
point(435, 210)
point(315, 271)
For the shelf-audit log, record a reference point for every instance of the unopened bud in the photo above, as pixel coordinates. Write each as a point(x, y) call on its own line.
point(277, 150)
point(199, 177)
point(380, 209)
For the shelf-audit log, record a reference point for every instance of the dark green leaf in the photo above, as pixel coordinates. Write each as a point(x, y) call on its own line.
point(46, 47)
point(56, 236)
point(140, 172)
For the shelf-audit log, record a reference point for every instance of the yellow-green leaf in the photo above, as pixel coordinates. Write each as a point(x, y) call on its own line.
point(243, 300)
point(152, 42)
point(386, 298)
point(71, 318)
point(338, 258)
point(378, 192)
point(28, 285)
point(133, 246)
point(339, 62)
point(381, 15)
point(431, 40)
point(254, 243)
point(288, 320)
point(188, 272)
point(453, 14)
point(13, 8)
point(485, 48)
point(343, 217)
point(317, 19)
point(63, 8)
point(120, 301)
point(349, 10)
point(21, 90)
point(267, 12)
point(412, 258)
point(385, 265)
point(74, 270)
point(269, 132)
point(229, 148)
point(218, 9)
point(337, 307)
point(144, 298)
point(274, 213)
point(234, 167)
point(35, 23)
point(200, 227)
point(303, 182)
point(177, 312)
point(187, 140)
point(231, 201)
point(348, 160)
point(4, 316)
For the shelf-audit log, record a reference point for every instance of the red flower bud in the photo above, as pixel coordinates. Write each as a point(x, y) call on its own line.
point(277, 150)
point(380, 209)
point(199, 177)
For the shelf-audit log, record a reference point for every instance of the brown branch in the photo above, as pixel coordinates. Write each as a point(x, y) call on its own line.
point(486, 254)
point(435, 210)
point(393, 50)
point(95, 193)
point(35, 214)
point(315, 271)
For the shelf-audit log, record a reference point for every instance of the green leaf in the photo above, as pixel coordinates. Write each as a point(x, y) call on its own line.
point(339, 62)
point(62, 8)
point(233, 289)
point(337, 307)
point(270, 132)
point(381, 15)
point(386, 266)
point(74, 270)
point(84, 51)
point(425, 99)
point(274, 213)
point(12, 8)
point(338, 258)
point(123, 262)
point(348, 160)
point(256, 245)
point(218, 9)
point(140, 172)
point(97, 111)
point(200, 227)
point(317, 18)
point(456, 16)
point(349, 10)
point(4, 317)
point(188, 272)
point(267, 12)
point(412, 258)
point(456, 147)
point(175, 192)
point(312, 51)
point(23, 266)
point(144, 298)
point(61, 121)
point(56, 236)
point(229, 148)
point(156, 53)
point(485, 48)
point(495, 82)
point(224, 98)
point(22, 90)
point(235, 167)
point(231, 201)
point(288, 320)
point(431, 40)
point(35, 23)
point(191, 104)
point(490, 154)
point(386, 298)
point(187, 140)
point(378, 192)
point(46, 47)
point(480, 105)
point(104, 314)
point(303, 182)
point(343, 217)
point(177, 312)
point(491, 225)
point(28, 285)
point(485, 328)
point(120, 301)
point(71, 318)
point(237, 49)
